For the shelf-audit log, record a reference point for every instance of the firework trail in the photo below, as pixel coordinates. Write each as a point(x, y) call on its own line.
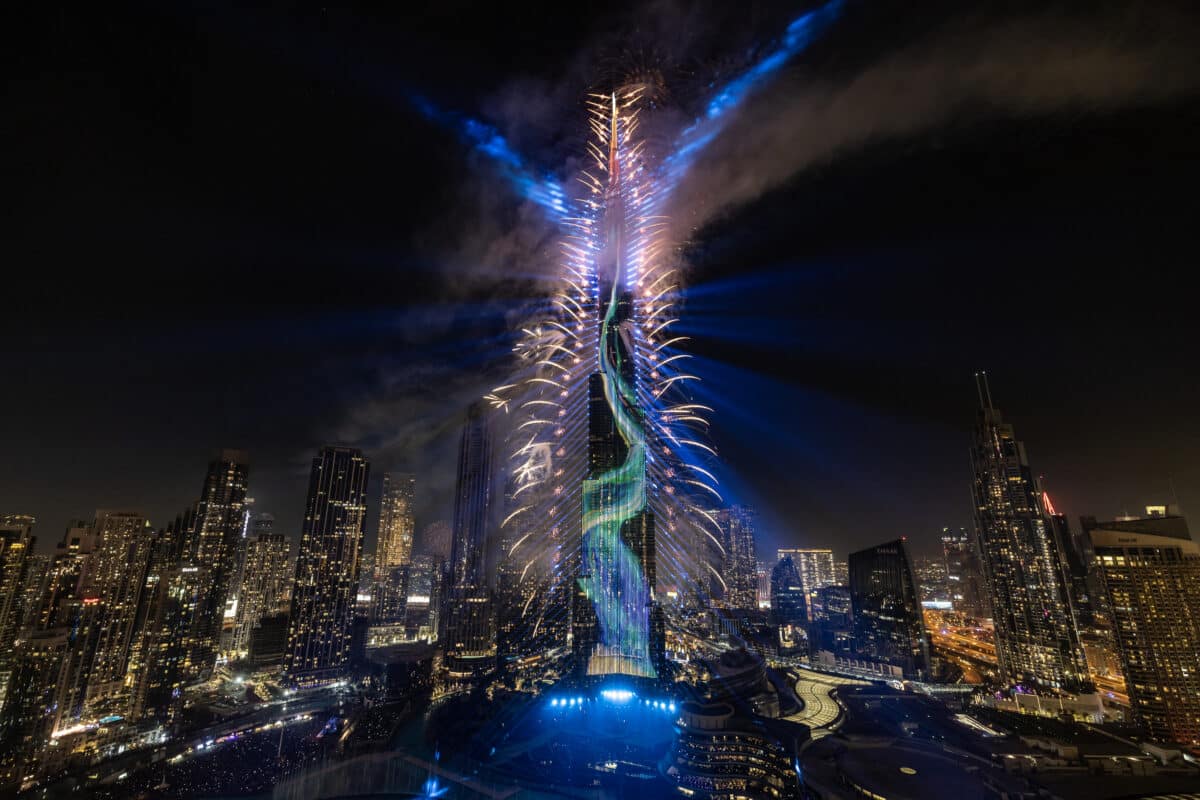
point(610, 320)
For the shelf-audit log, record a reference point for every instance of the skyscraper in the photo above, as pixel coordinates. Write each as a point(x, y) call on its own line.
point(16, 545)
point(161, 664)
point(266, 582)
point(741, 560)
point(1150, 571)
point(888, 624)
point(327, 568)
point(964, 574)
point(396, 522)
point(219, 521)
point(613, 603)
point(1037, 642)
point(112, 598)
point(815, 565)
point(393, 551)
point(789, 606)
point(470, 626)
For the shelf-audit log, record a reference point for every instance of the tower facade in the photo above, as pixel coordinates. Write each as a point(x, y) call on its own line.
point(964, 574)
point(888, 625)
point(327, 567)
point(219, 523)
point(266, 582)
point(396, 521)
point(741, 560)
point(470, 624)
point(788, 601)
point(1037, 642)
point(1150, 571)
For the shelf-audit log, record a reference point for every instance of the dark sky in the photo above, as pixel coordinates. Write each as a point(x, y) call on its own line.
point(230, 227)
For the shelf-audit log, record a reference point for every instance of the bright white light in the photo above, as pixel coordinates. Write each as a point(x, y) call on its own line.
point(617, 695)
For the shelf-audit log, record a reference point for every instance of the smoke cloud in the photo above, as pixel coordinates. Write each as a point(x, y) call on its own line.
point(969, 69)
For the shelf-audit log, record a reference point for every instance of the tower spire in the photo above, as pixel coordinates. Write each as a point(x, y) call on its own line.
point(983, 389)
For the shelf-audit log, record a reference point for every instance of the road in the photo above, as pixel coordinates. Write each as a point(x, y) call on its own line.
point(815, 690)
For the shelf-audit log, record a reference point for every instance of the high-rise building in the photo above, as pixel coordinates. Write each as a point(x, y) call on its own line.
point(161, 664)
point(789, 604)
point(1150, 572)
point(220, 521)
point(888, 623)
point(16, 545)
point(612, 611)
point(327, 568)
point(37, 574)
point(964, 574)
point(104, 615)
point(1037, 642)
point(740, 565)
point(67, 569)
point(27, 712)
point(112, 599)
point(841, 573)
point(815, 565)
point(396, 521)
point(470, 625)
point(393, 552)
point(267, 580)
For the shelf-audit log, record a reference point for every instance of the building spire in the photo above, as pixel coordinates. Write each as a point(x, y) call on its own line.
point(984, 391)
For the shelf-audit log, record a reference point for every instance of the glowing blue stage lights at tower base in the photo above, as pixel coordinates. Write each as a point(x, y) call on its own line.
point(617, 695)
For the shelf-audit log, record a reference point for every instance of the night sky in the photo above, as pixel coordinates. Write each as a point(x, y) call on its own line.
point(234, 227)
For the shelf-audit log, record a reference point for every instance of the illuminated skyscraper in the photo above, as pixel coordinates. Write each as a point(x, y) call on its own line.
point(964, 574)
point(327, 568)
point(1150, 571)
point(741, 560)
point(815, 565)
point(161, 664)
point(396, 521)
point(16, 545)
point(266, 582)
point(470, 625)
point(393, 551)
point(104, 618)
point(1036, 639)
point(220, 521)
point(788, 602)
point(112, 599)
point(888, 624)
point(612, 610)
point(28, 710)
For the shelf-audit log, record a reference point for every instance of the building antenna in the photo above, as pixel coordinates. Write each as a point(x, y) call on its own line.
point(983, 389)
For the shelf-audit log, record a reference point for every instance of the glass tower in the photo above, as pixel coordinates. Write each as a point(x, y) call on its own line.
point(1037, 642)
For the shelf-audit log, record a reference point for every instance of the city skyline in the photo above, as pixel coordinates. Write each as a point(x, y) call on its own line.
point(604, 402)
point(883, 271)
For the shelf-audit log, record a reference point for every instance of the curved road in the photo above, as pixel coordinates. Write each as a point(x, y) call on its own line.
point(816, 691)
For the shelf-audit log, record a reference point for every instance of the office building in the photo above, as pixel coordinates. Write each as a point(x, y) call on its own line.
point(888, 622)
point(1150, 571)
point(327, 568)
point(1037, 642)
